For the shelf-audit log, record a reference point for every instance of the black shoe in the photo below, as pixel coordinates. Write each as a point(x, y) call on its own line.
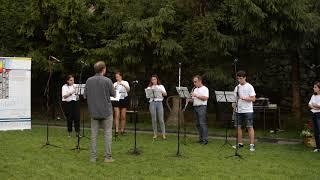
point(116, 134)
point(123, 133)
point(199, 141)
point(204, 142)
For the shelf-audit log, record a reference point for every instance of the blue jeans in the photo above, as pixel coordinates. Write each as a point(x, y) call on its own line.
point(316, 128)
point(156, 110)
point(201, 122)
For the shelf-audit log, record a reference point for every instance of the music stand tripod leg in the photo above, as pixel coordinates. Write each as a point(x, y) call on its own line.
point(83, 133)
point(178, 154)
point(135, 150)
point(78, 148)
point(116, 135)
point(226, 142)
point(221, 97)
point(184, 133)
point(47, 137)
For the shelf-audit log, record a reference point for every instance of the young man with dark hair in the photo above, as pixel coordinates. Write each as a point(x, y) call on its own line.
point(244, 108)
point(97, 92)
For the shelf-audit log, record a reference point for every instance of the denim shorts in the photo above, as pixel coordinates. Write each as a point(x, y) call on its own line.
point(241, 117)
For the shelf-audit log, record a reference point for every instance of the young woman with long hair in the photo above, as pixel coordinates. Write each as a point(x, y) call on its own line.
point(120, 107)
point(156, 106)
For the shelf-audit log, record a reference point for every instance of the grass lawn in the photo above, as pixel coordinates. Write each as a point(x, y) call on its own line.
point(21, 157)
point(144, 124)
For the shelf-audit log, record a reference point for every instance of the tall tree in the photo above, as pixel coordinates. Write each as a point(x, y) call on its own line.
point(283, 25)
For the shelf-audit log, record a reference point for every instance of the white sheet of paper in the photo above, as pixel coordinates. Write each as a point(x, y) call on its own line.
point(79, 88)
point(225, 96)
point(153, 93)
point(117, 98)
point(183, 92)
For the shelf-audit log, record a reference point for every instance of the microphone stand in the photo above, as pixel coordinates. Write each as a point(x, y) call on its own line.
point(179, 115)
point(236, 152)
point(135, 150)
point(116, 134)
point(46, 95)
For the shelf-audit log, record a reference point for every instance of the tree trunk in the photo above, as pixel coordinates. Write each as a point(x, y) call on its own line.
point(296, 103)
point(201, 7)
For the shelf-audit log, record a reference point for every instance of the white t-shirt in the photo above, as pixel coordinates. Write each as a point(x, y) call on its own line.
point(121, 89)
point(67, 90)
point(243, 105)
point(315, 99)
point(201, 91)
point(161, 88)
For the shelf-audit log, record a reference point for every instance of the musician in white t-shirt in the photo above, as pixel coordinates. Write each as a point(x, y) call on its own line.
point(71, 105)
point(314, 105)
point(120, 107)
point(200, 96)
point(156, 106)
point(244, 109)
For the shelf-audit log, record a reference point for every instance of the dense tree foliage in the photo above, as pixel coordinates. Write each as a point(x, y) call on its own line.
point(276, 41)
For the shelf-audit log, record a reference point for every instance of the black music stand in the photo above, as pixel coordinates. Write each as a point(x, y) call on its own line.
point(225, 97)
point(79, 91)
point(183, 94)
point(117, 98)
point(135, 150)
point(188, 95)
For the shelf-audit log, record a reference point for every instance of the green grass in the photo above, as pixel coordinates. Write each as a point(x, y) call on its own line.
point(145, 125)
point(22, 158)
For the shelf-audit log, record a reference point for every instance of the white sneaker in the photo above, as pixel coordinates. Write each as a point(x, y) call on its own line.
point(93, 160)
point(155, 137)
point(316, 150)
point(239, 146)
point(252, 147)
point(109, 160)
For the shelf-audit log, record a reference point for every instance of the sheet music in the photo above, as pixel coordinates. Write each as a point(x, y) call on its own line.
point(183, 92)
point(79, 88)
point(117, 98)
point(153, 93)
point(225, 96)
